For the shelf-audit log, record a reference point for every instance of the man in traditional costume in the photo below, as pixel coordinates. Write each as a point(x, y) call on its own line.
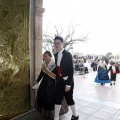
point(113, 72)
point(64, 78)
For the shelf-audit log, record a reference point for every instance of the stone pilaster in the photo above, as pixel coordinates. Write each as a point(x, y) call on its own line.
point(38, 36)
point(36, 12)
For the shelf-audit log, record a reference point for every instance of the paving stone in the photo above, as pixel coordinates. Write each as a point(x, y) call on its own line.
point(103, 115)
point(109, 109)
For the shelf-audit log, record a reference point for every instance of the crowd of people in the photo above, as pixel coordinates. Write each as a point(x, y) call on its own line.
point(103, 67)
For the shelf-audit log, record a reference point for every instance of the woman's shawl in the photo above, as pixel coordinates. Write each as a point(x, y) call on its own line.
point(48, 69)
point(102, 66)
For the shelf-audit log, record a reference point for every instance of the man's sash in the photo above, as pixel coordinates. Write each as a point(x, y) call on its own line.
point(48, 72)
point(59, 71)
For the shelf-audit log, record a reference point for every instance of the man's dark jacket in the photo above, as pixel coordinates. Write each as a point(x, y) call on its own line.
point(66, 65)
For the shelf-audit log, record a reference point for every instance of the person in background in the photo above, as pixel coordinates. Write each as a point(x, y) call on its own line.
point(113, 71)
point(46, 91)
point(102, 74)
point(94, 65)
point(86, 64)
point(81, 67)
point(118, 65)
point(64, 78)
point(76, 66)
point(119, 68)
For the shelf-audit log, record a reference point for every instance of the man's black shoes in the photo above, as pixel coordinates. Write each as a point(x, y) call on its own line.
point(74, 117)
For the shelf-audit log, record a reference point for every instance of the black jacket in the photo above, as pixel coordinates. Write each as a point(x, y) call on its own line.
point(66, 65)
point(111, 71)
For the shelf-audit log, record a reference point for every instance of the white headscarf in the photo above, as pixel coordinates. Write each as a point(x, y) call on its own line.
point(50, 66)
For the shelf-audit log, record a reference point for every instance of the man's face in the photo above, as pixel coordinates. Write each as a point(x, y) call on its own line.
point(58, 45)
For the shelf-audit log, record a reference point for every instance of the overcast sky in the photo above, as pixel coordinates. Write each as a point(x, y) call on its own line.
point(99, 18)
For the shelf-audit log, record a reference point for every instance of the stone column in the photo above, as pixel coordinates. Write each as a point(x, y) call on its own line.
point(38, 35)
point(36, 12)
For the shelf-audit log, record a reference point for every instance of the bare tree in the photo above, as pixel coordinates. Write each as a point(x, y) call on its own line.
point(69, 38)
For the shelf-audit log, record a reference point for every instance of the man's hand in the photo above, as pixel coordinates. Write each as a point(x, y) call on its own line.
point(67, 88)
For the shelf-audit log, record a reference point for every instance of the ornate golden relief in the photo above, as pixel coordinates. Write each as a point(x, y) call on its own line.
point(14, 56)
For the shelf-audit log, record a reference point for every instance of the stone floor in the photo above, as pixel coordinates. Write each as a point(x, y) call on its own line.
point(93, 101)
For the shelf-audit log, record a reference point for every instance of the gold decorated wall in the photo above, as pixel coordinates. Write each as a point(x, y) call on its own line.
point(14, 57)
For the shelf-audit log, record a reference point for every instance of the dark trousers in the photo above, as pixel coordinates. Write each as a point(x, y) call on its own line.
point(113, 77)
point(60, 92)
point(86, 70)
point(95, 68)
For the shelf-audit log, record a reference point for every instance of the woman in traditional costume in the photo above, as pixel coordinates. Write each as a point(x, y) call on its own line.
point(46, 90)
point(102, 75)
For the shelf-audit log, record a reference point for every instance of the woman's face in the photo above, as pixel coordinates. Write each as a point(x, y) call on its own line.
point(46, 58)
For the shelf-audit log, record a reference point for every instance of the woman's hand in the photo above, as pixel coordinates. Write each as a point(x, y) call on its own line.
point(67, 88)
point(36, 82)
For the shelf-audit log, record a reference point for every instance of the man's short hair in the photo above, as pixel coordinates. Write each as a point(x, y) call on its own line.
point(58, 38)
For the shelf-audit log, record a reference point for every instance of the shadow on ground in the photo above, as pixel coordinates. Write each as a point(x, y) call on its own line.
point(31, 115)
